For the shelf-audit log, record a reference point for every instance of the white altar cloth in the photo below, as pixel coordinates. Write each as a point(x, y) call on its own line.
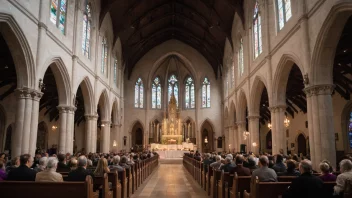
point(182, 146)
point(171, 154)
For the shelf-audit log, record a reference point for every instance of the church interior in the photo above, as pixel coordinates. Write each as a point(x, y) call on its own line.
point(177, 80)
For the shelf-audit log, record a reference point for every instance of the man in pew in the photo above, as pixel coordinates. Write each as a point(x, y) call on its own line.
point(239, 169)
point(80, 173)
point(49, 174)
point(61, 166)
point(227, 167)
point(306, 185)
point(264, 173)
point(23, 172)
point(216, 165)
point(123, 162)
point(115, 164)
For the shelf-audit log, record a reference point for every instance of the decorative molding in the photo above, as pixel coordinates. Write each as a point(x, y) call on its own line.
point(278, 108)
point(66, 109)
point(24, 11)
point(91, 117)
point(42, 25)
point(254, 117)
point(314, 90)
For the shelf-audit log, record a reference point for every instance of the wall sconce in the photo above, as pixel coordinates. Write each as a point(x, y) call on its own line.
point(269, 125)
point(245, 134)
point(206, 140)
point(41, 85)
point(54, 127)
point(114, 144)
point(254, 144)
point(286, 122)
point(102, 125)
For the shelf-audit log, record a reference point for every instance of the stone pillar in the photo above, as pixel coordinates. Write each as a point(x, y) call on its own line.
point(254, 133)
point(70, 124)
point(24, 136)
point(94, 129)
point(230, 137)
point(235, 140)
point(88, 134)
point(241, 127)
point(321, 128)
point(115, 137)
point(105, 137)
point(189, 130)
point(278, 129)
point(63, 111)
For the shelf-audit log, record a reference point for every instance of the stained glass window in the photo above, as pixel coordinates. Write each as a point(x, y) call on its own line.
point(240, 59)
point(115, 71)
point(104, 55)
point(257, 31)
point(189, 94)
point(156, 94)
point(58, 13)
point(206, 93)
point(86, 30)
point(138, 94)
point(283, 12)
point(173, 88)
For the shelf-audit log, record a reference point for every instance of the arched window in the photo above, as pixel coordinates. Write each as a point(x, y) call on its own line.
point(232, 73)
point(283, 8)
point(240, 59)
point(138, 94)
point(58, 14)
point(257, 31)
point(86, 30)
point(189, 94)
point(206, 93)
point(173, 88)
point(115, 71)
point(156, 94)
point(104, 55)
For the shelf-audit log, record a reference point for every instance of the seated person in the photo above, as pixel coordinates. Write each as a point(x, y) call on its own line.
point(306, 185)
point(102, 167)
point(80, 173)
point(206, 162)
point(61, 166)
point(15, 162)
point(326, 174)
point(264, 173)
point(123, 162)
point(49, 174)
point(23, 172)
point(73, 163)
point(3, 175)
point(291, 169)
point(279, 166)
point(227, 167)
point(239, 169)
point(41, 164)
point(115, 164)
point(216, 165)
point(346, 174)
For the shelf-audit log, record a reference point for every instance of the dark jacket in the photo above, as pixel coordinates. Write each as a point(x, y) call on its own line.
point(242, 171)
point(61, 167)
point(305, 186)
point(22, 173)
point(279, 167)
point(79, 174)
point(227, 168)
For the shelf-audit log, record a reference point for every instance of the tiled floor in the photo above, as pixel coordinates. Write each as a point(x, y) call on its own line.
point(170, 180)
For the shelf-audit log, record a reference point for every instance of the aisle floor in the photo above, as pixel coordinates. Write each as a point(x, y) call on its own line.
point(170, 180)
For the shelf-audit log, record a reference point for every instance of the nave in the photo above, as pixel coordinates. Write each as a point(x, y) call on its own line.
point(170, 180)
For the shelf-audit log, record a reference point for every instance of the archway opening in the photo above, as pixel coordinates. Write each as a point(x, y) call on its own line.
point(302, 144)
point(207, 137)
point(137, 137)
point(8, 139)
point(42, 138)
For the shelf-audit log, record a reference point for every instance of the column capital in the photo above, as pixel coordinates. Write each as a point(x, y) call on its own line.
point(91, 117)
point(28, 93)
point(277, 108)
point(253, 117)
point(314, 90)
point(66, 109)
point(106, 122)
point(116, 125)
point(240, 123)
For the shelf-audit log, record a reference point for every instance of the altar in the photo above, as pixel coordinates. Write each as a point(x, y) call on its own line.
point(169, 151)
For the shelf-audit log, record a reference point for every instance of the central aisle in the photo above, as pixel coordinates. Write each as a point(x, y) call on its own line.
point(170, 180)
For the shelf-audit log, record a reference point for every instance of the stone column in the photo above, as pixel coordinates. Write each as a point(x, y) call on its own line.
point(70, 123)
point(63, 111)
point(88, 134)
point(321, 128)
point(105, 137)
point(278, 129)
point(241, 127)
point(115, 137)
point(235, 141)
point(254, 133)
point(230, 137)
point(94, 129)
point(36, 95)
point(189, 130)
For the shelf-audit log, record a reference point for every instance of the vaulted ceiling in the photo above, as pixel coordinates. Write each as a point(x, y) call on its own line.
point(142, 25)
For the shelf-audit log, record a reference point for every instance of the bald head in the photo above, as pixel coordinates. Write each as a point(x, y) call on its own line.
point(305, 166)
point(264, 161)
point(82, 161)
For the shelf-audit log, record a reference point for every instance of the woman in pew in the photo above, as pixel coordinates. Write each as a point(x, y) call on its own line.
point(49, 174)
point(346, 174)
point(3, 174)
point(102, 167)
point(326, 174)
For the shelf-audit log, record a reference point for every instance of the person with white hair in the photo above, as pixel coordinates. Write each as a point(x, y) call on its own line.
point(346, 174)
point(41, 165)
point(216, 165)
point(227, 167)
point(264, 173)
point(115, 164)
point(80, 173)
point(49, 174)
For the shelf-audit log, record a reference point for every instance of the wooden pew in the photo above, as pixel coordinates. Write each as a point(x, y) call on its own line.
point(268, 189)
point(101, 183)
point(129, 181)
point(20, 189)
point(215, 182)
point(209, 179)
point(239, 185)
point(132, 167)
point(222, 184)
point(116, 185)
point(123, 181)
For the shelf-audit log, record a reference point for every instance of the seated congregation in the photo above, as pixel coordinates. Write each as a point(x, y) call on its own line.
point(113, 175)
point(267, 176)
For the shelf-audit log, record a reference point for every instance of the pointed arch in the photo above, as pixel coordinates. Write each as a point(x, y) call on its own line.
point(104, 106)
point(88, 94)
point(156, 92)
point(134, 123)
point(257, 89)
point(232, 117)
point(139, 93)
point(188, 118)
point(190, 101)
point(115, 112)
point(207, 132)
point(281, 77)
point(321, 70)
point(62, 79)
point(242, 106)
point(19, 48)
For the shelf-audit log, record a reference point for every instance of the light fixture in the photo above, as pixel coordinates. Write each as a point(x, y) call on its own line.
point(254, 144)
point(54, 127)
point(286, 122)
point(6, 67)
point(102, 125)
point(206, 140)
point(345, 50)
point(269, 125)
point(245, 134)
point(114, 144)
